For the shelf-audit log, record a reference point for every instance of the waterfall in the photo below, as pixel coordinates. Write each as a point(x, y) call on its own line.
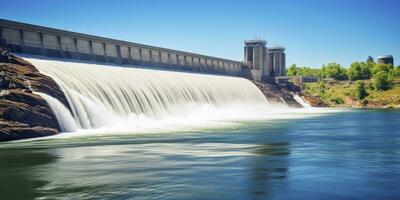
point(100, 94)
point(301, 101)
point(64, 117)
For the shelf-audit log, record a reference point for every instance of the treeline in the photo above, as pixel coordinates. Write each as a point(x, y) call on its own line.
point(381, 75)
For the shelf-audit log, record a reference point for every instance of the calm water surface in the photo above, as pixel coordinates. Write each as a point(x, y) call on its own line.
point(347, 155)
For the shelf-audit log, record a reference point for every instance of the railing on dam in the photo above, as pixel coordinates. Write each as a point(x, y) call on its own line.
point(39, 40)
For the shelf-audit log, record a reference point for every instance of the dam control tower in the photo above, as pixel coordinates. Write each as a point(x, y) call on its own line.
point(255, 53)
point(264, 62)
point(276, 62)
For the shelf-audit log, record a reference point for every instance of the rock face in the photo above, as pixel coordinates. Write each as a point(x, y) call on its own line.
point(24, 114)
point(278, 93)
point(313, 101)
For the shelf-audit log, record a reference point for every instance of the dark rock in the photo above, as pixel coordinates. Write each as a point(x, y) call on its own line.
point(16, 73)
point(24, 114)
point(16, 132)
point(29, 109)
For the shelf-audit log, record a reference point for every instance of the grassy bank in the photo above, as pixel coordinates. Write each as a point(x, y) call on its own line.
point(343, 94)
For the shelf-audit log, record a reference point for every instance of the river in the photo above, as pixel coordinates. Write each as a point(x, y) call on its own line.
point(353, 154)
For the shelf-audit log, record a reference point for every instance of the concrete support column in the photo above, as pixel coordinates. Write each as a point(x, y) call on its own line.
point(41, 41)
point(104, 49)
point(151, 56)
point(120, 59)
point(129, 53)
point(76, 45)
point(91, 47)
point(21, 35)
point(59, 41)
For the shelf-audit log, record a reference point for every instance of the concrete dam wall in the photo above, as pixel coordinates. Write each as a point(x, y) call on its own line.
point(38, 40)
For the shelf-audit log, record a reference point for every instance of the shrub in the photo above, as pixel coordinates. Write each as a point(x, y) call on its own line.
point(360, 92)
point(334, 70)
point(337, 100)
point(396, 71)
point(359, 71)
point(382, 68)
point(382, 81)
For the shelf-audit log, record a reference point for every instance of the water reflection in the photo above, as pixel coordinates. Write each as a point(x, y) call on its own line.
point(16, 178)
point(268, 166)
point(320, 158)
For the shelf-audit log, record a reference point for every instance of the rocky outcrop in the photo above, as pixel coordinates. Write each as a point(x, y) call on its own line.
point(24, 114)
point(17, 73)
point(278, 93)
point(313, 100)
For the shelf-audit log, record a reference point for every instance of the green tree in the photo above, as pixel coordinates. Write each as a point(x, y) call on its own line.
point(360, 71)
point(360, 92)
point(292, 70)
point(321, 89)
point(367, 69)
point(334, 70)
point(382, 67)
point(354, 72)
point(382, 81)
point(396, 71)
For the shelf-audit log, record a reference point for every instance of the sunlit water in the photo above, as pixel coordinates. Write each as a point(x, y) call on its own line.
point(336, 155)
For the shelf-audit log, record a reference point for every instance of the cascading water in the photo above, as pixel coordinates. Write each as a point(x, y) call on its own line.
point(301, 101)
point(101, 95)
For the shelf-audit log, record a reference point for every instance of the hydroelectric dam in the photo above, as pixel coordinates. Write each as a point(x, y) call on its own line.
point(102, 82)
point(259, 62)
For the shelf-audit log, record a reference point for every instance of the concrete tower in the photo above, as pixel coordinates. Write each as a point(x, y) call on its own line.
point(387, 59)
point(276, 62)
point(255, 53)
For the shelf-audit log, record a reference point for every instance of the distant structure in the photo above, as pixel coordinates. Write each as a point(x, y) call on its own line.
point(370, 59)
point(265, 63)
point(386, 59)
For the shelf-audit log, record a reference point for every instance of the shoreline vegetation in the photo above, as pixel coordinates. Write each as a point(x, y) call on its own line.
point(362, 85)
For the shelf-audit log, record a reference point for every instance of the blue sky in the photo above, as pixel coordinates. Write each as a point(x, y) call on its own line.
point(314, 32)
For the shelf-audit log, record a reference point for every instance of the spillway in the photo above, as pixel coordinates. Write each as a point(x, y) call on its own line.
point(100, 94)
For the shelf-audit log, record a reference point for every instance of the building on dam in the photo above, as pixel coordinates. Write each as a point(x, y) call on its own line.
point(264, 62)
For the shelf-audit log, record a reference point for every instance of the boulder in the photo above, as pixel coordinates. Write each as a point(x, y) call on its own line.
point(16, 73)
point(24, 114)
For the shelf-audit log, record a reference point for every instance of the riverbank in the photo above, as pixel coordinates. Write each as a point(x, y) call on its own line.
point(343, 94)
